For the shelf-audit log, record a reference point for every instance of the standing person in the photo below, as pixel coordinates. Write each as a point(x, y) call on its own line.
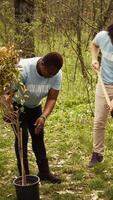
point(103, 42)
point(42, 78)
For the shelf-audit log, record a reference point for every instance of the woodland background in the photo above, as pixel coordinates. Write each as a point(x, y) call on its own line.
point(38, 27)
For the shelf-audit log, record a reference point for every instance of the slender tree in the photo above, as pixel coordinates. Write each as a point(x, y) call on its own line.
point(24, 12)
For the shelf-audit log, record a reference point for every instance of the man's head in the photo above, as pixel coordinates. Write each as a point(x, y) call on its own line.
point(51, 63)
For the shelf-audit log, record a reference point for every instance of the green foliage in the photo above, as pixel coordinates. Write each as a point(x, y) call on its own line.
point(8, 71)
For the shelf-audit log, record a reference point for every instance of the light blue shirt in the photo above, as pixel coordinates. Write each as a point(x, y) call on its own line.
point(37, 85)
point(103, 41)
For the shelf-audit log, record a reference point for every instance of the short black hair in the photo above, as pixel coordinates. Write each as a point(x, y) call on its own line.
point(110, 32)
point(53, 59)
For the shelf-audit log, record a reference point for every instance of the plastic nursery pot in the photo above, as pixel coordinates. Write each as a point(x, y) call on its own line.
point(30, 191)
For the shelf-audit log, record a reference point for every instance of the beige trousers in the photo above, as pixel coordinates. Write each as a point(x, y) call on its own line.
point(100, 119)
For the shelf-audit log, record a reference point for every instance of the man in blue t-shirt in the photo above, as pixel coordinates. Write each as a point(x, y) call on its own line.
point(42, 78)
point(103, 42)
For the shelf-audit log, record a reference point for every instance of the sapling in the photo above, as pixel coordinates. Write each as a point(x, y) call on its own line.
point(10, 80)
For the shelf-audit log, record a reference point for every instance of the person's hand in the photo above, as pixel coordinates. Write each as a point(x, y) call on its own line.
point(39, 125)
point(110, 107)
point(95, 65)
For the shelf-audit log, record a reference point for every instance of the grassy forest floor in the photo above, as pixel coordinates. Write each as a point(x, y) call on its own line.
point(68, 136)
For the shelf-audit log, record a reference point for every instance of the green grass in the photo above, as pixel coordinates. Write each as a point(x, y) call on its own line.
point(68, 140)
point(68, 137)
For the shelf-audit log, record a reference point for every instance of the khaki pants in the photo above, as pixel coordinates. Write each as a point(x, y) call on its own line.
point(100, 118)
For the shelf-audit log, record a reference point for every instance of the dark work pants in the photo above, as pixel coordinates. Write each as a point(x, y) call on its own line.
point(27, 120)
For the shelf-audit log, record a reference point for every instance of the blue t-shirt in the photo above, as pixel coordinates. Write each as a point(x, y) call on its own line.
point(37, 86)
point(103, 41)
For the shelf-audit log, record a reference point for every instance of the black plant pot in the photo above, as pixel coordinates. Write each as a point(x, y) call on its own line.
point(30, 191)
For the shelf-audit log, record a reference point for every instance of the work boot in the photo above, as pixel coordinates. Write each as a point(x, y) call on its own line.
point(96, 158)
point(44, 173)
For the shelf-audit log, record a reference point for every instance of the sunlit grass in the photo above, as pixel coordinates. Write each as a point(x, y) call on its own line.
point(68, 137)
point(68, 144)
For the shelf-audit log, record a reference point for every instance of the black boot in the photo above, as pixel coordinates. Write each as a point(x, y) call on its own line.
point(44, 173)
point(95, 159)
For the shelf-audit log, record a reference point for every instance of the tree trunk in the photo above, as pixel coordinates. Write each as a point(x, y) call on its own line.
point(24, 12)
